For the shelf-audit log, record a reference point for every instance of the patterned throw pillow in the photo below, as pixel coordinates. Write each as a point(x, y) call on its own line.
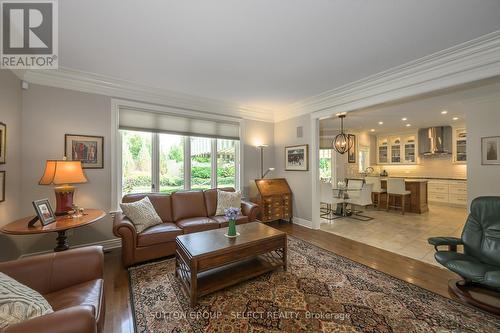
point(142, 214)
point(19, 303)
point(227, 200)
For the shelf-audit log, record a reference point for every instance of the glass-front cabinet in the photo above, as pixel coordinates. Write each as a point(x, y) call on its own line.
point(460, 145)
point(409, 149)
point(397, 149)
point(382, 150)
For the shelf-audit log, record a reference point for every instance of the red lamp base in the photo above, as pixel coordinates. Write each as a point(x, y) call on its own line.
point(64, 199)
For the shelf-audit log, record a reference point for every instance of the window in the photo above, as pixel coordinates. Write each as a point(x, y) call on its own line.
point(325, 164)
point(171, 162)
point(201, 163)
point(226, 163)
point(136, 162)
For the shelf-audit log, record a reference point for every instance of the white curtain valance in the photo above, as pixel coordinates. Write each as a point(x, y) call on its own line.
point(177, 123)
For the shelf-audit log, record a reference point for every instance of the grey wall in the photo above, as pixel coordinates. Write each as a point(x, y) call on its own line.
point(10, 114)
point(48, 114)
point(285, 134)
point(255, 133)
point(482, 120)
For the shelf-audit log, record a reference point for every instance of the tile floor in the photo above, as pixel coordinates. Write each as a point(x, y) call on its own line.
point(403, 234)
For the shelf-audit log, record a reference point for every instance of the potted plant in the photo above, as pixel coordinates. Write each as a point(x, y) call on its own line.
point(231, 215)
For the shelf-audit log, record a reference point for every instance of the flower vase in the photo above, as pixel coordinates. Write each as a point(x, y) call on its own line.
point(231, 230)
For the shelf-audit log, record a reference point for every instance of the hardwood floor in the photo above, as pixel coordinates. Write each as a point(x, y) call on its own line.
point(430, 277)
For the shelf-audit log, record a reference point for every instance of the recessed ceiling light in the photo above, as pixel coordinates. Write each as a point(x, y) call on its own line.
point(372, 130)
point(444, 112)
point(380, 122)
point(408, 125)
point(455, 118)
point(404, 119)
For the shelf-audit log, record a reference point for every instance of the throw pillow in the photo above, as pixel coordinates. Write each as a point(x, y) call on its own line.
point(19, 302)
point(142, 214)
point(227, 200)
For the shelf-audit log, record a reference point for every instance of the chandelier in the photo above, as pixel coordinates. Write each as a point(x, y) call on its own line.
point(341, 143)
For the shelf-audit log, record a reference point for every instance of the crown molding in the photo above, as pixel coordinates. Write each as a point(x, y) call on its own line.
point(98, 84)
point(467, 62)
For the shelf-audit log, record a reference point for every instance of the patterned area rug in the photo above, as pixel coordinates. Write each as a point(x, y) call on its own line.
point(320, 292)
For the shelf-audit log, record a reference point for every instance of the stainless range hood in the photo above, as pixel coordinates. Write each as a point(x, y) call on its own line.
point(435, 140)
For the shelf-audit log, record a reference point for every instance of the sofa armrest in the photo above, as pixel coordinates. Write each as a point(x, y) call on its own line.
point(250, 209)
point(54, 271)
point(125, 229)
point(76, 319)
point(451, 242)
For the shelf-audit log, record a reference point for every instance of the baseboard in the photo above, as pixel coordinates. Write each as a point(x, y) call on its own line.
point(302, 222)
point(106, 244)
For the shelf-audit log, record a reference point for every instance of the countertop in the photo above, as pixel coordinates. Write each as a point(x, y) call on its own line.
point(426, 178)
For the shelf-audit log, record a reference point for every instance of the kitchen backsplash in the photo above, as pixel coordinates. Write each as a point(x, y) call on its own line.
point(432, 167)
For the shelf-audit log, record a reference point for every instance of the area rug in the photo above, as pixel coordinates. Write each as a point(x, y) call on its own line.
point(320, 292)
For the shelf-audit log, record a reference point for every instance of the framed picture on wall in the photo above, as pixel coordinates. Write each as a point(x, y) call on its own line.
point(490, 150)
point(351, 153)
point(2, 186)
point(3, 142)
point(297, 158)
point(86, 148)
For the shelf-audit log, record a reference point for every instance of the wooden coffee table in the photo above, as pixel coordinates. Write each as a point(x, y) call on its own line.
point(208, 261)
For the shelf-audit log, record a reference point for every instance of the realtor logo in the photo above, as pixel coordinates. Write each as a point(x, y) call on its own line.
point(29, 34)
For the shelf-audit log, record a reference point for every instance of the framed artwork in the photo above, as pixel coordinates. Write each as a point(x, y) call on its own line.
point(297, 158)
point(2, 186)
point(44, 211)
point(86, 148)
point(351, 153)
point(490, 150)
point(3, 142)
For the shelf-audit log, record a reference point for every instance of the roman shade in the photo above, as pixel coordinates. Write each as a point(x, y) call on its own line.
point(176, 122)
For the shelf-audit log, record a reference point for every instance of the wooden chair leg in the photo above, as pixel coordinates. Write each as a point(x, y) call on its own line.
point(387, 203)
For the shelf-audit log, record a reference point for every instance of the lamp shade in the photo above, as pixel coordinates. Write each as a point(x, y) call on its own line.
point(60, 172)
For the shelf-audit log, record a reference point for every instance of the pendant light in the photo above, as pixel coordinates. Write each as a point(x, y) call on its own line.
point(341, 143)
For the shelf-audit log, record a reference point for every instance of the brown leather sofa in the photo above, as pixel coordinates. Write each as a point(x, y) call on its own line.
point(182, 212)
point(71, 281)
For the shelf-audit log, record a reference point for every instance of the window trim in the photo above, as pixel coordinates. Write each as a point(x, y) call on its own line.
point(116, 149)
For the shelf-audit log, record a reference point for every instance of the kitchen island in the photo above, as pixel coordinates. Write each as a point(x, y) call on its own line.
point(418, 202)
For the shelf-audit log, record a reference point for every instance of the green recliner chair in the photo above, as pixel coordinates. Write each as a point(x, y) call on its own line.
point(480, 263)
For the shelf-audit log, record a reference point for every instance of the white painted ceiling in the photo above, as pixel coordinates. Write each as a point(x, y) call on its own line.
point(420, 112)
point(261, 53)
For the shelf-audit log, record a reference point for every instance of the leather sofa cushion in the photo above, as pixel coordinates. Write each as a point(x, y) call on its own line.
point(161, 233)
point(88, 293)
point(188, 204)
point(161, 202)
point(222, 220)
point(196, 224)
point(211, 199)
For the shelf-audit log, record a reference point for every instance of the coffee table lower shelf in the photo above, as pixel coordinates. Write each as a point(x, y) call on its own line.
point(209, 281)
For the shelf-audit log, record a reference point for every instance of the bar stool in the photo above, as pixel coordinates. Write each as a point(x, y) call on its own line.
point(377, 189)
point(396, 188)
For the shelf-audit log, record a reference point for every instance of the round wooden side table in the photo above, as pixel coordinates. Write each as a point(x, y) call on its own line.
point(61, 225)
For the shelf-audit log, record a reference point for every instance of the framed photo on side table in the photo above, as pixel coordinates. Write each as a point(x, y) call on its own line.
point(3, 142)
point(297, 158)
point(86, 148)
point(2, 186)
point(44, 211)
point(490, 150)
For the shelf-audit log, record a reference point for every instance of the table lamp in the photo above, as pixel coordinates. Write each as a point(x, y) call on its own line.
point(63, 173)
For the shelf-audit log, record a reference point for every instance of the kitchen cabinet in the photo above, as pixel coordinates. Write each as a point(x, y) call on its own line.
point(397, 149)
point(382, 150)
point(460, 145)
point(452, 192)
